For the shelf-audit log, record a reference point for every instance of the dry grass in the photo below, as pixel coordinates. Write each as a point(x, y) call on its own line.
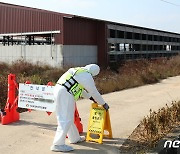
point(36, 73)
point(137, 73)
point(130, 74)
point(3, 87)
point(153, 128)
point(159, 123)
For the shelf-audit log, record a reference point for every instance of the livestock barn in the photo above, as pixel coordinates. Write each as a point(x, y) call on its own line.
point(60, 39)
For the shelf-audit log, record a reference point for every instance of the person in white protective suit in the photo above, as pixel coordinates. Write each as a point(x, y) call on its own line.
point(75, 83)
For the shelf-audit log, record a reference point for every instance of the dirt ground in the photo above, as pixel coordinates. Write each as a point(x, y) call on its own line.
point(35, 131)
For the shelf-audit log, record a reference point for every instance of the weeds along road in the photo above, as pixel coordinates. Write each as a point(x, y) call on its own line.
point(34, 133)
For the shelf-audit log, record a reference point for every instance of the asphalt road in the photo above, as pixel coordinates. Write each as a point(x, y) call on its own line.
point(34, 133)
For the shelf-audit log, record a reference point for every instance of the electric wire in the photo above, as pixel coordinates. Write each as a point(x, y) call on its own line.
point(170, 3)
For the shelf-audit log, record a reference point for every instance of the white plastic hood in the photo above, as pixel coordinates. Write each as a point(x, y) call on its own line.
point(93, 69)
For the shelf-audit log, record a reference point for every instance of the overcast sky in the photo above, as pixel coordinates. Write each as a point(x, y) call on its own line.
point(157, 14)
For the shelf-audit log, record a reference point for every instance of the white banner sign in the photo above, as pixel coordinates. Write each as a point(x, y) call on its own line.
point(37, 97)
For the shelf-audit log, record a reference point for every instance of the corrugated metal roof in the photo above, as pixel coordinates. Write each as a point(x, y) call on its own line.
point(31, 8)
point(70, 15)
point(80, 31)
point(18, 19)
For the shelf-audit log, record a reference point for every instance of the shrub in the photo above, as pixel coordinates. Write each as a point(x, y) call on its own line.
point(137, 73)
point(3, 87)
point(130, 74)
point(157, 124)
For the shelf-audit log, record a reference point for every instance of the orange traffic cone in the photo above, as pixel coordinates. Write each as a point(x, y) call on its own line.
point(10, 113)
point(77, 120)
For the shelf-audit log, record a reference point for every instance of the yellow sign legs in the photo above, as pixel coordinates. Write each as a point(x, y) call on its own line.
point(99, 124)
point(107, 126)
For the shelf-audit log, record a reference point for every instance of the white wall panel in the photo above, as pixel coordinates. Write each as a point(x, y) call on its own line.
point(55, 55)
point(46, 54)
point(79, 55)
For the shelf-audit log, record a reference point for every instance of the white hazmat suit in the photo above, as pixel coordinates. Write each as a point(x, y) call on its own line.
point(65, 106)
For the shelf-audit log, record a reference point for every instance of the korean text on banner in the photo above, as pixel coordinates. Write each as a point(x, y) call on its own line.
point(37, 97)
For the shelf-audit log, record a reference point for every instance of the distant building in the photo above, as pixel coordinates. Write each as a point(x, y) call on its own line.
point(61, 39)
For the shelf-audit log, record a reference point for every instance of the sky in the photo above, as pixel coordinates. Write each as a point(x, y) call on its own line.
point(156, 14)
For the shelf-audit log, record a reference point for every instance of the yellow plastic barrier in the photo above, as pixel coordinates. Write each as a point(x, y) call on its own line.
point(99, 122)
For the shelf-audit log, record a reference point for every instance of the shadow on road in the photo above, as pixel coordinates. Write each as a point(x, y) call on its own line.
point(39, 125)
point(108, 146)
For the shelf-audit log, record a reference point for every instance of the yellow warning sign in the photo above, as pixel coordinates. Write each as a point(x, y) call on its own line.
point(99, 122)
point(97, 118)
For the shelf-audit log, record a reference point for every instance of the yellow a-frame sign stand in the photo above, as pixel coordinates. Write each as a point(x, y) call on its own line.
point(98, 123)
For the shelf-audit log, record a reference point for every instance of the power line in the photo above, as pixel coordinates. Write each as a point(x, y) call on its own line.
point(170, 3)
